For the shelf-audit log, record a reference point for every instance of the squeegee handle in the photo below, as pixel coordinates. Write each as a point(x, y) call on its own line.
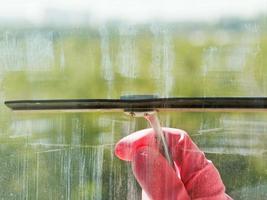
point(153, 119)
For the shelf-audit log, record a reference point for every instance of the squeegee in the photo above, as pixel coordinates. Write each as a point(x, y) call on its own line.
point(145, 106)
point(144, 102)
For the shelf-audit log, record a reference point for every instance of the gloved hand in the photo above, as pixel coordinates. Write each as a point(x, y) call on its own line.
point(192, 177)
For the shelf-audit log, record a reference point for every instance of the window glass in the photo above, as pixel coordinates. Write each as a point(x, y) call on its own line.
point(105, 50)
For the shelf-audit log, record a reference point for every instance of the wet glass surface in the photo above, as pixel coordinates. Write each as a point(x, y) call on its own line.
point(71, 155)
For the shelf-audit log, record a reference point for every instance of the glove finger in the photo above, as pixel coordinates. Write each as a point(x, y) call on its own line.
point(127, 146)
point(185, 153)
point(156, 176)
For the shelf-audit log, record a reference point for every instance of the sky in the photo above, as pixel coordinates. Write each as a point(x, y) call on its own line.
point(133, 10)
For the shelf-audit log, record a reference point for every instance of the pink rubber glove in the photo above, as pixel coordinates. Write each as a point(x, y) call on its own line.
point(194, 177)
